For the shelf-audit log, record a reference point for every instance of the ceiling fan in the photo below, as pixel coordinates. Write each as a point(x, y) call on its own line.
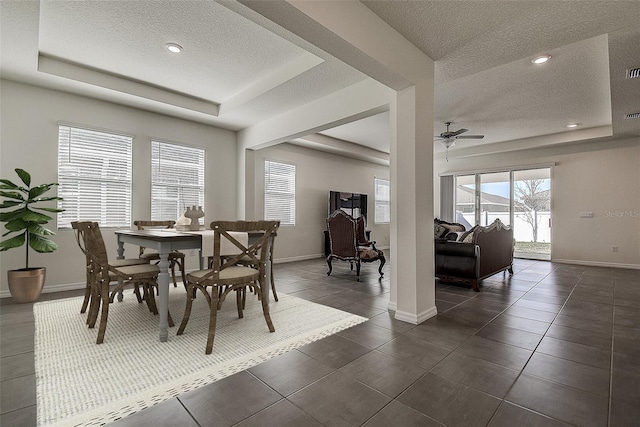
point(448, 138)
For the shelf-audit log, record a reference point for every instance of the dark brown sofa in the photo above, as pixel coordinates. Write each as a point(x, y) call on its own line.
point(483, 252)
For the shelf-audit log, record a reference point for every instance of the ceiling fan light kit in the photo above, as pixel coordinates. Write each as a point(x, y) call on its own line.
point(448, 138)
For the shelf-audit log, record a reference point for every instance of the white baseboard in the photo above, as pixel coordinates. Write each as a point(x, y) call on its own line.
point(597, 263)
point(297, 258)
point(414, 319)
point(47, 289)
point(393, 306)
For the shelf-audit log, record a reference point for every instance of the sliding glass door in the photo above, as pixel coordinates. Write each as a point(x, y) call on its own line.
point(518, 198)
point(495, 198)
point(465, 200)
point(532, 213)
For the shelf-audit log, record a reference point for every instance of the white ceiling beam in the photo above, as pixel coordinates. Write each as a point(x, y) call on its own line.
point(479, 149)
point(343, 148)
point(77, 72)
point(363, 99)
point(370, 45)
point(264, 84)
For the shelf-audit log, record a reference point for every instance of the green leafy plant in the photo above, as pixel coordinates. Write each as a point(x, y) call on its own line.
point(24, 218)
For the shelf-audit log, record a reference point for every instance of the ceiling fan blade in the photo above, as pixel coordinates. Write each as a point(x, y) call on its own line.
point(458, 132)
point(470, 136)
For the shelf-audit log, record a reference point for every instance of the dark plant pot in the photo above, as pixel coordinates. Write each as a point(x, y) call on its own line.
point(26, 284)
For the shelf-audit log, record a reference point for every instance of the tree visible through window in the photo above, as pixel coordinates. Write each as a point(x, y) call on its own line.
point(280, 192)
point(94, 173)
point(382, 200)
point(177, 179)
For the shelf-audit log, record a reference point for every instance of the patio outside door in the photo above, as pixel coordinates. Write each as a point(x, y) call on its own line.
point(532, 213)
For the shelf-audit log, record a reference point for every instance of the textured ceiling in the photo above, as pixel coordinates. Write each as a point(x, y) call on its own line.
point(221, 56)
point(239, 69)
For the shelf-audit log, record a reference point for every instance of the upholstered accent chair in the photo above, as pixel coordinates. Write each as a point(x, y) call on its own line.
point(348, 243)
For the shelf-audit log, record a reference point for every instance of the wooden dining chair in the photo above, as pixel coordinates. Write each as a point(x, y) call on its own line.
point(225, 277)
point(82, 244)
point(102, 274)
point(176, 258)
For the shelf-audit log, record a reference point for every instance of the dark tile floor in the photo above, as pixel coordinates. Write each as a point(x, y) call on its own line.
point(553, 345)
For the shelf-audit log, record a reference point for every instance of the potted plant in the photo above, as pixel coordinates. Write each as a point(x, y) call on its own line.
point(24, 219)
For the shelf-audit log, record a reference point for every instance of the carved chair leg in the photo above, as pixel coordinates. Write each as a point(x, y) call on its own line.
point(358, 270)
point(329, 258)
point(510, 269)
point(382, 262)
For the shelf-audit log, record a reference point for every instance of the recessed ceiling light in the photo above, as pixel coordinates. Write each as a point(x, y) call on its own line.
point(175, 48)
point(572, 125)
point(541, 59)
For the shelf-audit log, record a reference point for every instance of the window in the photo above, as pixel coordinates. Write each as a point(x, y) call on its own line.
point(177, 179)
point(94, 173)
point(383, 211)
point(280, 192)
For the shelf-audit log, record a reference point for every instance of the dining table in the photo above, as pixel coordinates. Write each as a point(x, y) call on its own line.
point(164, 241)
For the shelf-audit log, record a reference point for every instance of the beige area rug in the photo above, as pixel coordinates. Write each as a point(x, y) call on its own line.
point(80, 383)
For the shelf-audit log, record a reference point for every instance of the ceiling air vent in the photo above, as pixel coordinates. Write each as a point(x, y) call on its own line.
point(632, 116)
point(633, 73)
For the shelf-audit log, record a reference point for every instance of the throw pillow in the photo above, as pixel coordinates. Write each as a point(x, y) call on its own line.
point(439, 231)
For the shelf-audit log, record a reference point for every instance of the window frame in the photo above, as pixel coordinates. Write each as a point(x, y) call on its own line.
point(381, 202)
point(157, 185)
point(290, 220)
point(89, 183)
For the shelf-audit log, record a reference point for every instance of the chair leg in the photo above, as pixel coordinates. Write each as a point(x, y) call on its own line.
point(382, 261)
point(239, 301)
point(358, 270)
point(87, 294)
point(94, 307)
point(213, 316)
point(105, 313)
point(173, 273)
point(273, 284)
point(329, 258)
point(187, 310)
point(265, 309)
point(474, 285)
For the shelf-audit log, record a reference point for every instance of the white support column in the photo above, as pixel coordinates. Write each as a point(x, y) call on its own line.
point(413, 280)
point(351, 32)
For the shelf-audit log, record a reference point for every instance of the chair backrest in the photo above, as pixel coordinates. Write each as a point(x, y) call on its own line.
point(256, 252)
point(80, 237)
point(360, 231)
point(94, 245)
point(146, 224)
point(342, 234)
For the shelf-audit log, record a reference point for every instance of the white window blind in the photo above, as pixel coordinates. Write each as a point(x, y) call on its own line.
point(177, 179)
point(280, 192)
point(383, 207)
point(94, 173)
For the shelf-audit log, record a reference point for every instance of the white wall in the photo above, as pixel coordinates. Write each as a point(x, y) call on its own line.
point(599, 177)
point(317, 173)
point(29, 140)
